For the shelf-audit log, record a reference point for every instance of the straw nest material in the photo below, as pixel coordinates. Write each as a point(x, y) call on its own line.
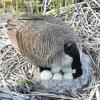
point(17, 75)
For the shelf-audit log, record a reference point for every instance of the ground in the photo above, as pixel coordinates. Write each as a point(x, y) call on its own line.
point(16, 73)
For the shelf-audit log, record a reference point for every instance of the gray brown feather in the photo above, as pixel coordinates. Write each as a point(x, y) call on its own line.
point(41, 38)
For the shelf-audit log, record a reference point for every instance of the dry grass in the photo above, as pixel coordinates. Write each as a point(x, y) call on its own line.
point(16, 74)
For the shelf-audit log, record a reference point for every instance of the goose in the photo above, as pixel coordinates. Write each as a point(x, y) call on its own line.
point(47, 42)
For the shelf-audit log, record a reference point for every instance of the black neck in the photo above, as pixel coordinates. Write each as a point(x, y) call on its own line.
point(73, 51)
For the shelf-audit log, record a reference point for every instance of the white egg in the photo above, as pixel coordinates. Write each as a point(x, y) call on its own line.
point(68, 69)
point(67, 76)
point(67, 60)
point(66, 63)
point(46, 75)
point(57, 76)
point(55, 68)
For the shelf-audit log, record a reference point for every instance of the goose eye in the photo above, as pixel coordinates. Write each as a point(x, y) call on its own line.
point(69, 45)
point(67, 48)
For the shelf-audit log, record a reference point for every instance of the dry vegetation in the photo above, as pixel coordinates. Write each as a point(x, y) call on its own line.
point(16, 74)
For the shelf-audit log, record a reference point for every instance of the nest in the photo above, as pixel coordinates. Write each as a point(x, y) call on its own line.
point(17, 75)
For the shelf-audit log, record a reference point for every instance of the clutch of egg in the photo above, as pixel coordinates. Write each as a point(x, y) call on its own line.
point(50, 75)
point(56, 71)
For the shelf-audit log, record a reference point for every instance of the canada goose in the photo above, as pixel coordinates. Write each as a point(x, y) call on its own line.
point(45, 41)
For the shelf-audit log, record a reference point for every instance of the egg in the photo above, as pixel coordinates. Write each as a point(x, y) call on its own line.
point(68, 69)
point(67, 76)
point(57, 76)
point(46, 75)
point(55, 68)
point(67, 62)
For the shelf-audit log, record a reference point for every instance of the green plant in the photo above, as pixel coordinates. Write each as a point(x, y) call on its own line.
point(68, 3)
point(36, 6)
